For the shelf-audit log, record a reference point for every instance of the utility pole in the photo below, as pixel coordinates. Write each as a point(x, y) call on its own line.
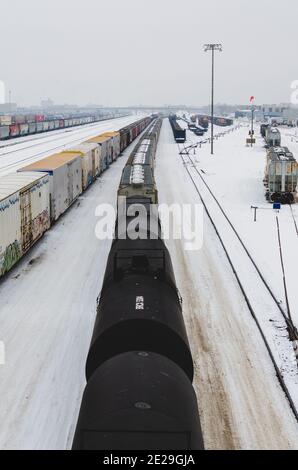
point(212, 48)
point(252, 124)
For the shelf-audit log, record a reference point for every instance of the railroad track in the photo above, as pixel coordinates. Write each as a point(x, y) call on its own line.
point(248, 276)
point(38, 137)
point(294, 219)
point(31, 158)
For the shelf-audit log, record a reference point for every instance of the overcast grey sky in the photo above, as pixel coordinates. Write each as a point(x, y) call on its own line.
point(147, 51)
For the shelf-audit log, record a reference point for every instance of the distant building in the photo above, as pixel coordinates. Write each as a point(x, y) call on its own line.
point(273, 110)
point(2, 92)
point(48, 103)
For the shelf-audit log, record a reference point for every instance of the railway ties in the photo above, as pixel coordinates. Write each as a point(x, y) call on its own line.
point(278, 332)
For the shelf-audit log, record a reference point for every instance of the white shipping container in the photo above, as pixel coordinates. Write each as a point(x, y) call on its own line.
point(115, 144)
point(90, 161)
point(65, 174)
point(104, 144)
point(24, 214)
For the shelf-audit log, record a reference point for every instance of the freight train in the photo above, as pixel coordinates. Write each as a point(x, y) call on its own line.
point(204, 120)
point(18, 126)
point(281, 176)
point(179, 133)
point(139, 368)
point(271, 135)
point(32, 199)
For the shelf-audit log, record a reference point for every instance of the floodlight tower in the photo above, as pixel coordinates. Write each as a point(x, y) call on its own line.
point(212, 48)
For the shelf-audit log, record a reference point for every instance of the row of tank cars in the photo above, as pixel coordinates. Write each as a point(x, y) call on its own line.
point(139, 368)
point(281, 171)
point(21, 125)
point(34, 198)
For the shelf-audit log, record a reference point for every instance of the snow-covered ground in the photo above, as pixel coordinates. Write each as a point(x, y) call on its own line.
point(23, 152)
point(47, 310)
point(240, 400)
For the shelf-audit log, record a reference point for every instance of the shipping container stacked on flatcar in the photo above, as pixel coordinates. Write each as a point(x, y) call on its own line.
point(103, 142)
point(179, 133)
point(38, 194)
point(24, 215)
point(65, 176)
point(139, 368)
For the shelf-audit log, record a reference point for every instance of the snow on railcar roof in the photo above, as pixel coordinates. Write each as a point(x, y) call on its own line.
point(14, 182)
point(281, 154)
point(52, 162)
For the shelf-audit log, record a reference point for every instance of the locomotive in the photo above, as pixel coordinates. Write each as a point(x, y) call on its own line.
point(139, 368)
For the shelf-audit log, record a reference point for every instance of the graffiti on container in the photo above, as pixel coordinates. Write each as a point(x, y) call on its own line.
point(10, 256)
point(40, 224)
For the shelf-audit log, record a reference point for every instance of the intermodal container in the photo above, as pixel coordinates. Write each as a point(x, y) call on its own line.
point(115, 136)
point(24, 214)
point(104, 144)
point(90, 154)
point(65, 174)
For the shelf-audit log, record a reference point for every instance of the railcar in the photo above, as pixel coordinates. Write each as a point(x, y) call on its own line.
point(138, 400)
point(263, 129)
point(139, 367)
